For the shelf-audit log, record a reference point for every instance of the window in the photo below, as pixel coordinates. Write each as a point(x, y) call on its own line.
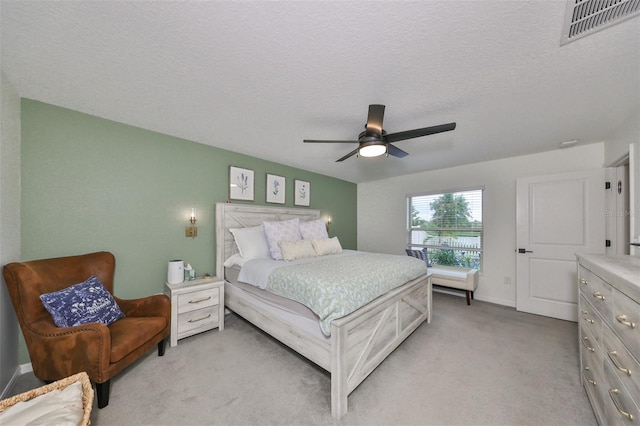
point(449, 226)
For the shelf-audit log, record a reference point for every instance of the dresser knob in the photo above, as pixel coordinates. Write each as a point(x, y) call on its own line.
point(615, 402)
point(622, 319)
point(613, 354)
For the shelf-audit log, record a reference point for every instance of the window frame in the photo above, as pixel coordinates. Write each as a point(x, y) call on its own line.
point(411, 229)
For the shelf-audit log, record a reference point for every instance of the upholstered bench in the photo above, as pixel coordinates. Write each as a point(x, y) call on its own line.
point(459, 278)
point(446, 276)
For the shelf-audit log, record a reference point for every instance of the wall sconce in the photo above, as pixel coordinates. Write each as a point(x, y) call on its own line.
point(327, 221)
point(192, 231)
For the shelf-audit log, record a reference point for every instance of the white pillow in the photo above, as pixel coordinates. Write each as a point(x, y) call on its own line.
point(327, 246)
point(292, 250)
point(235, 260)
point(285, 230)
point(251, 242)
point(60, 407)
point(313, 229)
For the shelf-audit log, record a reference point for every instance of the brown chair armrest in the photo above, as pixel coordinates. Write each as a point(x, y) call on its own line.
point(91, 344)
point(150, 306)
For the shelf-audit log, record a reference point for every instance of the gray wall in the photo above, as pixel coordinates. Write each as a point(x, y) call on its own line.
point(9, 221)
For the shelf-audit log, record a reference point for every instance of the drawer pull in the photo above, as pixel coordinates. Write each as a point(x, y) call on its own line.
point(585, 314)
point(615, 402)
point(593, 382)
point(200, 319)
point(586, 317)
point(622, 319)
point(613, 354)
point(598, 295)
point(204, 299)
point(584, 343)
point(583, 281)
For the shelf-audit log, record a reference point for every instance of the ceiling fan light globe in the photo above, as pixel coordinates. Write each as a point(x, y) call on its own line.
point(372, 150)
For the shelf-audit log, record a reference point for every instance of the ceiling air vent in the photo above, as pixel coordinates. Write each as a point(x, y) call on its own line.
point(584, 17)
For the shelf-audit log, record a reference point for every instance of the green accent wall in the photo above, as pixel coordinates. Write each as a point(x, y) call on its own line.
point(90, 184)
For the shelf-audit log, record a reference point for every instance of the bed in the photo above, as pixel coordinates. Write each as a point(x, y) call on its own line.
point(358, 342)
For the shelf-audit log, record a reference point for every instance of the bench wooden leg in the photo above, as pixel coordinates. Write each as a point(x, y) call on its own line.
point(469, 293)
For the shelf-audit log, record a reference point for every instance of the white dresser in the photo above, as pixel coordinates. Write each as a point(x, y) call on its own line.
point(609, 333)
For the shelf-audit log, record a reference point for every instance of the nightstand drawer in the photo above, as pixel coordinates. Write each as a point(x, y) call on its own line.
point(205, 318)
point(198, 299)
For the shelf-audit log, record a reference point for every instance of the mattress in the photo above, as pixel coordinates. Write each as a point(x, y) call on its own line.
point(291, 312)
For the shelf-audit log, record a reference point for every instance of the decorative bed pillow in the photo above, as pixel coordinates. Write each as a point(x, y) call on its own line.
point(251, 242)
point(285, 230)
point(292, 250)
point(327, 246)
point(313, 229)
point(82, 303)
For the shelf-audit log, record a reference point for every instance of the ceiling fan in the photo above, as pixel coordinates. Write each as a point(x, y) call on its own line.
point(374, 141)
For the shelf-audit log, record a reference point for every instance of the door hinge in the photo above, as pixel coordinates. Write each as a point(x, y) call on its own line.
point(607, 185)
point(607, 243)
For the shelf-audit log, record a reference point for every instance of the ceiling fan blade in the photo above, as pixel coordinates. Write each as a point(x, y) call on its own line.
point(374, 120)
point(395, 151)
point(319, 141)
point(416, 133)
point(355, 151)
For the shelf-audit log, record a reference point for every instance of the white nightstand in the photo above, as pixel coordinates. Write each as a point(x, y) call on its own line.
point(196, 306)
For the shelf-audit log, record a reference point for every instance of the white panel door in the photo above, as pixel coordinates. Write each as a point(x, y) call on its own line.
point(557, 217)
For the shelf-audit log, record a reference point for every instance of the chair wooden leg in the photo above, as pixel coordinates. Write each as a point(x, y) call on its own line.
point(102, 389)
point(468, 297)
point(161, 347)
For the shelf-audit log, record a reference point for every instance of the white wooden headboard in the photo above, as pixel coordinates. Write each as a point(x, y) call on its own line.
point(242, 216)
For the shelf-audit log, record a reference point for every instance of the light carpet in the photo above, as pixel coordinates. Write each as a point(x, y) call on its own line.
point(482, 364)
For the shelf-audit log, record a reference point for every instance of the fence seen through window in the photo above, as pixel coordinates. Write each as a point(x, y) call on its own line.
point(449, 226)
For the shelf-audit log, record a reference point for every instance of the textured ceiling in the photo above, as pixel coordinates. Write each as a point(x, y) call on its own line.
point(259, 77)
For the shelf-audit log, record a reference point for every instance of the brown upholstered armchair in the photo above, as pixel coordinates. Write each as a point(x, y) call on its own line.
point(102, 351)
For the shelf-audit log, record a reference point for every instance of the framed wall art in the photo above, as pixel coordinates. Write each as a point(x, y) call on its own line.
point(275, 192)
point(240, 184)
point(302, 193)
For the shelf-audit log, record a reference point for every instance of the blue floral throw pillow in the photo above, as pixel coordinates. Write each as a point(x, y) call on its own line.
point(82, 303)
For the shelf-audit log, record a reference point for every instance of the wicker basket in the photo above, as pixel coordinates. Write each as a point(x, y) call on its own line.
point(87, 394)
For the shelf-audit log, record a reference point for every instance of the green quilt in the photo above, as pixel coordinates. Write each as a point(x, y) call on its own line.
point(334, 287)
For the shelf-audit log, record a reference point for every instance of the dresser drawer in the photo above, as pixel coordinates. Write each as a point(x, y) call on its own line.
point(626, 367)
point(591, 353)
point(198, 299)
point(589, 319)
point(205, 318)
point(619, 407)
point(596, 291)
point(626, 322)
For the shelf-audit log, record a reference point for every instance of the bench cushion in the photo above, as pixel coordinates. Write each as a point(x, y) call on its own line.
point(463, 279)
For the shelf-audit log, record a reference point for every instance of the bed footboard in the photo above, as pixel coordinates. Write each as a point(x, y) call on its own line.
point(363, 339)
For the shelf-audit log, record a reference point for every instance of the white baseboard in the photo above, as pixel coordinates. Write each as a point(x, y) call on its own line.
point(19, 371)
point(26, 368)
